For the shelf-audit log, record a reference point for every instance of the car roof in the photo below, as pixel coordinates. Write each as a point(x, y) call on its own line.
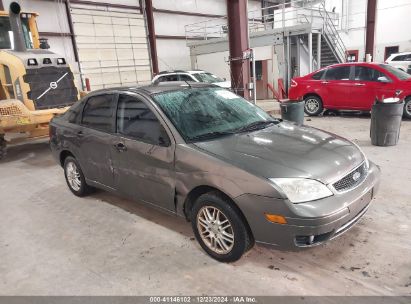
point(157, 88)
point(180, 71)
point(355, 63)
point(402, 53)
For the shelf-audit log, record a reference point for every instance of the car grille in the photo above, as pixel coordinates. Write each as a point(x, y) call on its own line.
point(352, 179)
point(10, 111)
point(40, 80)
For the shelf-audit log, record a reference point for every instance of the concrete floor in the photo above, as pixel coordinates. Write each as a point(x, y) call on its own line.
point(53, 243)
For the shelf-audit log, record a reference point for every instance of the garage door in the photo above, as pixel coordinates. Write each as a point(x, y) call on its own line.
point(112, 45)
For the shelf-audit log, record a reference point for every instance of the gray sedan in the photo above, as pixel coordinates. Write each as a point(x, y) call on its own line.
point(203, 153)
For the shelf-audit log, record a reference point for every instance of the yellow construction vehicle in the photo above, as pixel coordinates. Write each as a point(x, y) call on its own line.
point(35, 84)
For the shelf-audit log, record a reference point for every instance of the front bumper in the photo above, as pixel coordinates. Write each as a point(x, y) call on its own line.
point(312, 223)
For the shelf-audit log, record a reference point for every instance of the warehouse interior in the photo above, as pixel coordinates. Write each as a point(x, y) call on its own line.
point(331, 81)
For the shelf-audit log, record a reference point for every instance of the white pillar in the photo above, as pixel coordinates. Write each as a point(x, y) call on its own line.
point(319, 51)
point(310, 52)
point(288, 80)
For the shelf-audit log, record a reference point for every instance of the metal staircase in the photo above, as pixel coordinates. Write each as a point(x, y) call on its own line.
point(284, 17)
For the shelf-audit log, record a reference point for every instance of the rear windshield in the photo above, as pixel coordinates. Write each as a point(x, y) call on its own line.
point(396, 72)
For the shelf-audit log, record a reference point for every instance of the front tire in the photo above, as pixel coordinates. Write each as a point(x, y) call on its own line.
point(313, 105)
point(407, 108)
point(219, 228)
point(75, 177)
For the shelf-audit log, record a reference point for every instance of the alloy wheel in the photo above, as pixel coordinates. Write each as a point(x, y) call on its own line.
point(408, 108)
point(215, 230)
point(312, 105)
point(73, 176)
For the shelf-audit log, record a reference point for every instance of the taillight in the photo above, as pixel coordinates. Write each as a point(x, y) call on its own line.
point(293, 83)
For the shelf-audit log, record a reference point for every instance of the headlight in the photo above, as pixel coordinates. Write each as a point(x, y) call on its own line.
point(299, 190)
point(367, 163)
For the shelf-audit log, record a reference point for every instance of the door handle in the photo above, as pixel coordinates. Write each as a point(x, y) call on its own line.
point(359, 84)
point(325, 82)
point(80, 134)
point(120, 147)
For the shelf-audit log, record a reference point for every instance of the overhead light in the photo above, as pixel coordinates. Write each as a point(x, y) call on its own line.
point(32, 61)
point(61, 61)
point(46, 61)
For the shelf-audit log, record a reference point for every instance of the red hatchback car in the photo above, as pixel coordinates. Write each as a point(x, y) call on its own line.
point(351, 86)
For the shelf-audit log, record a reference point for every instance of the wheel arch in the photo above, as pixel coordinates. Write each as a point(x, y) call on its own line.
point(196, 192)
point(313, 94)
point(63, 155)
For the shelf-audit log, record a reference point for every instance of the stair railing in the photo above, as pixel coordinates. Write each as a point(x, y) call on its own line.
point(332, 36)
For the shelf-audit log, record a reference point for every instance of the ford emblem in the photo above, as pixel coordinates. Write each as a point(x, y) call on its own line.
point(356, 176)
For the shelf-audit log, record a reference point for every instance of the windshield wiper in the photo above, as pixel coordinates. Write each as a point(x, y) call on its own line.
point(211, 135)
point(257, 125)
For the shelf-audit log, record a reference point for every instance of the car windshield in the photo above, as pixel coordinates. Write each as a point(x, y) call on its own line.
point(207, 77)
point(206, 113)
point(397, 72)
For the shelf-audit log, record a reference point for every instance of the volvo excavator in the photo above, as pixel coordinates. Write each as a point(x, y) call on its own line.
point(35, 83)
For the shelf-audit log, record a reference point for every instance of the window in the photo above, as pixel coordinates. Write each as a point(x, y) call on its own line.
point(172, 77)
point(6, 41)
point(352, 56)
point(184, 77)
point(136, 120)
point(98, 112)
point(396, 72)
point(73, 114)
point(5, 29)
point(338, 73)
point(207, 77)
point(367, 74)
point(318, 75)
point(389, 50)
point(399, 58)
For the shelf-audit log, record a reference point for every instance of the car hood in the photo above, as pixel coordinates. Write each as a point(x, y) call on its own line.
point(223, 84)
point(287, 150)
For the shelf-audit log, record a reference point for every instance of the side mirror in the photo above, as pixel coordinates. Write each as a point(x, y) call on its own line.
point(383, 79)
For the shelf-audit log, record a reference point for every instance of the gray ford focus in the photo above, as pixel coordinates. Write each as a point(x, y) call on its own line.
point(201, 152)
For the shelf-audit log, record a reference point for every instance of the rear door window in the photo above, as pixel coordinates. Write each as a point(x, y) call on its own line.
point(98, 113)
point(338, 73)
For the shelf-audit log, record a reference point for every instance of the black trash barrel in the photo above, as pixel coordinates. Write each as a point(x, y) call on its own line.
point(292, 110)
point(385, 123)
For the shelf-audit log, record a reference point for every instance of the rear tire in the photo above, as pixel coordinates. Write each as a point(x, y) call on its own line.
point(75, 177)
point(313, 105)
point(3, 147)
point(407, 108)
point(219, 228)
